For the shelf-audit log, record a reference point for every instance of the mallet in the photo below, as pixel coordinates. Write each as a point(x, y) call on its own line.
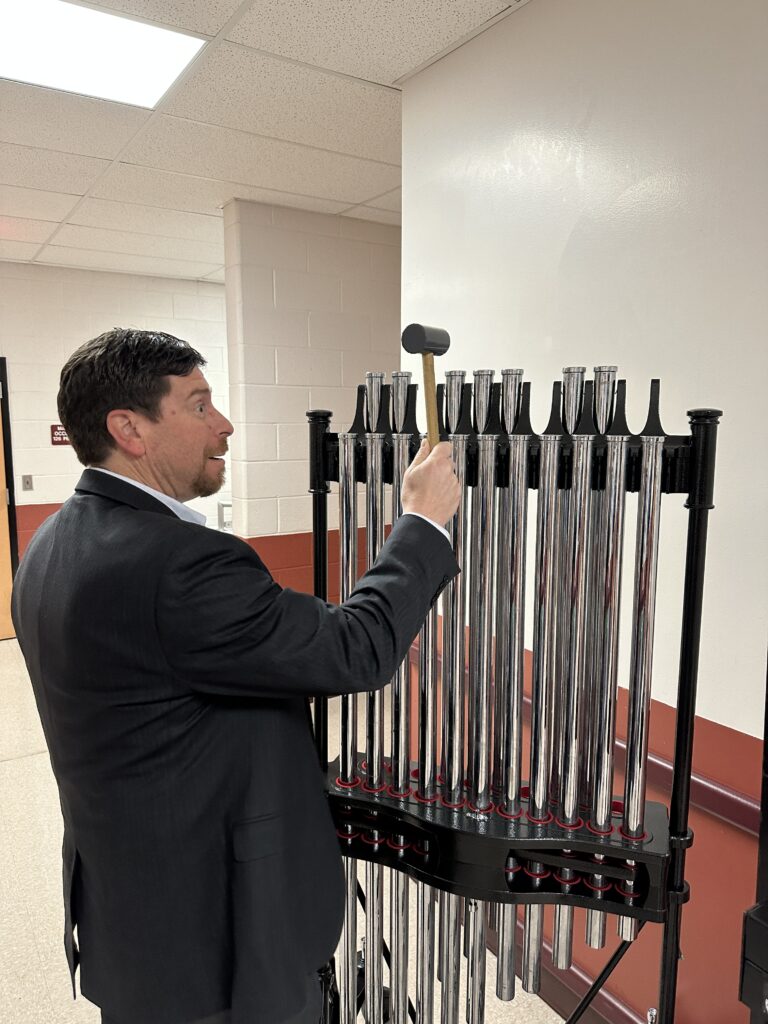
point(428, 342)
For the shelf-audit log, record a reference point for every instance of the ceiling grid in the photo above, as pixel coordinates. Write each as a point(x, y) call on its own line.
point(290, 102)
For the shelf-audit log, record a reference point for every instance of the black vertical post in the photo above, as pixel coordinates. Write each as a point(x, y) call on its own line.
point(704, 424)
point(319, 422)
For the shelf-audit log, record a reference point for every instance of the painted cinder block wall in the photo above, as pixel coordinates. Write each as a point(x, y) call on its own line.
point(584, 184)
point(313, 302)
point(45, 314)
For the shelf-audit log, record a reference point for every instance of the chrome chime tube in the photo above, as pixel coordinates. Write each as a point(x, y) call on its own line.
point(641, 657)
point(347, 963)
point(575, 560)
point(510, 653)
point(605, 384)
point(573, 397)
point(480, 665)
point(607, 603)
point(426, 791)
point(544, 652)
point(399, 905)
point(454, 696)
point(374, 753)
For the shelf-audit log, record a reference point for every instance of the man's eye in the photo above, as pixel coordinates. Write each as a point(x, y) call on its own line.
point(200, 407)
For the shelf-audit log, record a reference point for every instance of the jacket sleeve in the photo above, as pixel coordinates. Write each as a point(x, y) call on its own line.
point(227, 628)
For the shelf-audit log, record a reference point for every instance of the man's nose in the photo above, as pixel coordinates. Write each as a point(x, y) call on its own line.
point(224, 427)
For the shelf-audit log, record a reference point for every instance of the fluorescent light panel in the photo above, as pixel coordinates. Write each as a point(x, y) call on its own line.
point(64, 46)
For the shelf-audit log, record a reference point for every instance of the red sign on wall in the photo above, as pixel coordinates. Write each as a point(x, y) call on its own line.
point(59, 434)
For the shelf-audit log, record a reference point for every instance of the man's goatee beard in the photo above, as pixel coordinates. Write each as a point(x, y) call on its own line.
point(205, 487)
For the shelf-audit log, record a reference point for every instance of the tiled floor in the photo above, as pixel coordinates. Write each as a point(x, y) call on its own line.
point(34, 983)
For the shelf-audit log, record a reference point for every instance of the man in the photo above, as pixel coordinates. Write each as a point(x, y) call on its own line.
point(200, 863)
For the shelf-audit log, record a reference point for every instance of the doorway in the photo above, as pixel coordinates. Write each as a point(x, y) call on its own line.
point(9, 552)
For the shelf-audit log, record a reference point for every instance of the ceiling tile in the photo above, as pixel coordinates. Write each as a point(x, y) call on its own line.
point(240, 88)
point(76, 237)
point(199, 195)
point(390, 201)
point(368, 39)
point(32, 202)
point(22, 229)
point(205, 17)
point(45, 169)
point(172, 143)
point(64, 121)
point(371, 213)
point(125, 263)
point(149, 220)
point(17, 250)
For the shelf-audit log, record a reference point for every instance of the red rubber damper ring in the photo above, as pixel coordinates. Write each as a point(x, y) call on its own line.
point(348, 785)
point(372, 789)
point(539, 821)
point(414, 773)
point(525, 792)
point(391, 791)
point(566, 881)
point(397, 846)
point(537, 874)
point(634, 839)
point(509, 817)
point(597, 831)
point(597, 888)
point(513, 871)
point(617, 807)
point(426, 799)
point(452, 807)
point(372, 842)
point(571, 828)
point(347, 835)
point(481, 810)
point(421, 851)
point(625, 894)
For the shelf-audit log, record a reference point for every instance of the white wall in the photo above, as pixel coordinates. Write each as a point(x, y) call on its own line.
point(47, 312)
point(585, 183)
point(313, 302)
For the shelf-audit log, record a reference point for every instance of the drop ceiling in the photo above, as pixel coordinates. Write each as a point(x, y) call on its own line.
point(290, 102)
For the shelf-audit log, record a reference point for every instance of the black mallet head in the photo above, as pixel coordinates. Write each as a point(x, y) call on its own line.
point(428, 342)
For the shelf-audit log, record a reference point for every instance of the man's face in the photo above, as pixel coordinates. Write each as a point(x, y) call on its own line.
point(184, 448)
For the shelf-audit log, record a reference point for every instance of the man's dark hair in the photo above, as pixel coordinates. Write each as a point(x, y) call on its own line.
point(121, 369)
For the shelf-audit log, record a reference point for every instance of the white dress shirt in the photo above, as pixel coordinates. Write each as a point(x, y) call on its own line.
point(178, 507)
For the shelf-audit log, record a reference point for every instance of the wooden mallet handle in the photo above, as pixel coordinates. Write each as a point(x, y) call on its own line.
point(428, 342)
point(430, 397)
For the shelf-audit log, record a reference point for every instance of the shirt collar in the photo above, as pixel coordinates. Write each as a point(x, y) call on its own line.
point(178, 507)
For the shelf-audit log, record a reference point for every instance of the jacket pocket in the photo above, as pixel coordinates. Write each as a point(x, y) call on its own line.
point(256, 838)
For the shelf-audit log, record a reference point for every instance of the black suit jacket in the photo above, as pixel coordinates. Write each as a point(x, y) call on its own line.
point(170, 670)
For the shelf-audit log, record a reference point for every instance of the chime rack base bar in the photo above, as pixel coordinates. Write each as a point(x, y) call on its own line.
point(467, 854)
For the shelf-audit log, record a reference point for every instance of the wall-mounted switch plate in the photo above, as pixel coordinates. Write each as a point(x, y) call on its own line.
point(27, 483)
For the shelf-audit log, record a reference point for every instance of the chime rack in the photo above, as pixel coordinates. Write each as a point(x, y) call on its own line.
point(470, 831)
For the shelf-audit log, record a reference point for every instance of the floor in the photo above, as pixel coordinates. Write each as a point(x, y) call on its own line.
point(34, 983)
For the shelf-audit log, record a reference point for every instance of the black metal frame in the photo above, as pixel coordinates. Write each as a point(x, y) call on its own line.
point(436, 832)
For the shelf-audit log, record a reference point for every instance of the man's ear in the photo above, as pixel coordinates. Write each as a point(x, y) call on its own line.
point(124, 427)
